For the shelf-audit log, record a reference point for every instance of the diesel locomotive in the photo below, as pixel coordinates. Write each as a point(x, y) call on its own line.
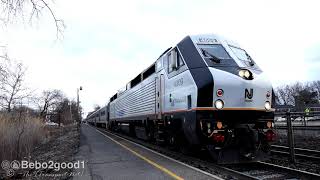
point(205, 92)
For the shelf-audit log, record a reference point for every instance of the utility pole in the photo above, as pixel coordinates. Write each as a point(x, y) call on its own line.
point(78, 104)
point(71, 119)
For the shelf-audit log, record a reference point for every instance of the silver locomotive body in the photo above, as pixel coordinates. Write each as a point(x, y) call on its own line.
point(204, 92)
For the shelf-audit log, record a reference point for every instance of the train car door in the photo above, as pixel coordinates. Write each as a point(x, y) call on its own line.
point(159, 95)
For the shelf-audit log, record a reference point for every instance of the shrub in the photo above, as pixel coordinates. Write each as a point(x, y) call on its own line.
point(19, 134)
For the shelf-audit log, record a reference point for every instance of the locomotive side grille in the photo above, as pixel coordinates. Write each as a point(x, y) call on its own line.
point(138, 102)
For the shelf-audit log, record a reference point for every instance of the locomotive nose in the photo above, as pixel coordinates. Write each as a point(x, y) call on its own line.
point(232, 91)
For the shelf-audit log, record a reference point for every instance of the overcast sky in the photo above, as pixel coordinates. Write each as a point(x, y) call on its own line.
point(107, 43)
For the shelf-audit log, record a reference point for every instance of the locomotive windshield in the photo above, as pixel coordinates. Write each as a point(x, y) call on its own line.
point(215, 51)
point(216, 55)
point(242, 55)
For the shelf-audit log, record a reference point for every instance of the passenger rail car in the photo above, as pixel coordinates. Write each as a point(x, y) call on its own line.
point(204, 92)
point(99, 117)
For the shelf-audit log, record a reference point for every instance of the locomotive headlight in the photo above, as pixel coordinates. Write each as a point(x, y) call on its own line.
point(267, 105)
point(241, 73)
point(219, 104)
point(247, 74)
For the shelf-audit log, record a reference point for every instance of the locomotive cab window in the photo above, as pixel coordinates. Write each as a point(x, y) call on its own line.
point(242, 55)
point(216, 52)
point(216, 55)
point(174, 61)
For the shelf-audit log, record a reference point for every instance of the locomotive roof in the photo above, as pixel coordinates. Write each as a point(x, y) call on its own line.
point(212, 39)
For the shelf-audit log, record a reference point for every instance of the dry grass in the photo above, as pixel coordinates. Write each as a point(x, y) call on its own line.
point(19, 135)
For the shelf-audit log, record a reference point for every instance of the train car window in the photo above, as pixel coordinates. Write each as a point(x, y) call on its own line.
point(128, 86)
point(165, 63)
point(149, 72)
point(179, 60)
point(174, 62)
point(159, 64)
point(170, 61)
point(174, 65)
point(114, 97)
point(136, 81)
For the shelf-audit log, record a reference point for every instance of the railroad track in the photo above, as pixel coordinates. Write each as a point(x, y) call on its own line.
point(267, 171)
point(296, 127)
point(308, 154)
point(257, 170)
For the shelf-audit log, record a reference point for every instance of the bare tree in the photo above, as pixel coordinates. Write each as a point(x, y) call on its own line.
point(297, 87)
point(285, 95)
point(12, 9)
point(3, 61)
point(316, 86)
point(13, 90)
point(48, 101)
point(299, 94)
point(66, 112)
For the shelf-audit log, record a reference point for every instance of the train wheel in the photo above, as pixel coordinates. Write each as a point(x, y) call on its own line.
point(132, 131)
point(213, 153)
point(149, 130)
point(183, 145)
point(172, 140)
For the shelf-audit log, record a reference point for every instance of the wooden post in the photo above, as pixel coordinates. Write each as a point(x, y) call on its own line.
point(290, 139)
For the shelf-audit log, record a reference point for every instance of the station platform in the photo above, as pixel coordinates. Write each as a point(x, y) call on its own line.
point(114, 158)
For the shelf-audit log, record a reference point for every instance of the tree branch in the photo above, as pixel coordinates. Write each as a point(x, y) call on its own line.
point(15, 8)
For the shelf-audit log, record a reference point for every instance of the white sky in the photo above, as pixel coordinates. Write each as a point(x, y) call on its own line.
point(107, 43)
